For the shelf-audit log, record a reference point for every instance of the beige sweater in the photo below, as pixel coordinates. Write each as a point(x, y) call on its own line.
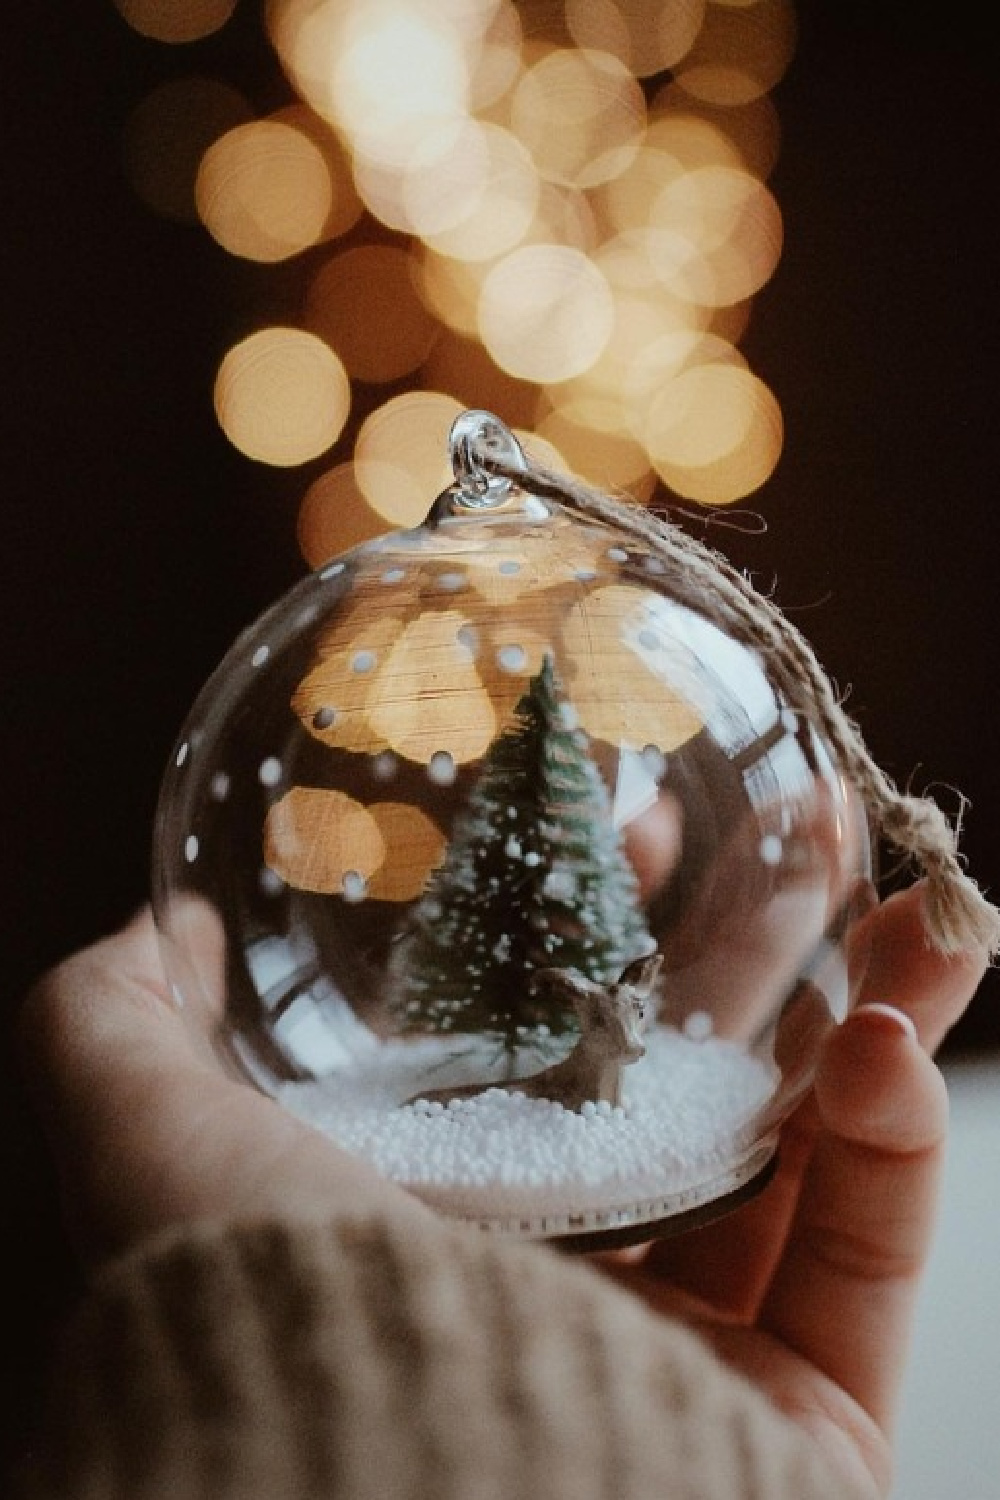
point(387, 1360)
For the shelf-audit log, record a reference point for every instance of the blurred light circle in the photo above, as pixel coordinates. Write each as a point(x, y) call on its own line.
point(498, 205)
point(753, 128)
point(334, 515)
point(176, 20)
point(741, 52)
point(282, 396)
point(581, 114)
point(595, 446)
point(430, 189)
point(399, 458)
point(365, 305)
point(545, 312)
point(167, 135)
point(263, 191)
point(646, 35)
point(462, 368)
point(661, 361)
point(398, 68)
point(496, 59)
point(450, 288)
point(346, 207)
point(714, 433)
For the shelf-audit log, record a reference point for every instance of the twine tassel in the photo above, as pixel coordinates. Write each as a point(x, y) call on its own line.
point(959, 917)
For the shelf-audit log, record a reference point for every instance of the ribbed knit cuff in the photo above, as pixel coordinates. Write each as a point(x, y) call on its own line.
point(396, 1361)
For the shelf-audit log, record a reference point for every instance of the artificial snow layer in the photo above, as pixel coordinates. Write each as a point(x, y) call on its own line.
point(687, 1120)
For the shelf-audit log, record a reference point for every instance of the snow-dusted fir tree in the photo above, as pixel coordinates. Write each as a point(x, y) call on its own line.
point(534, 877)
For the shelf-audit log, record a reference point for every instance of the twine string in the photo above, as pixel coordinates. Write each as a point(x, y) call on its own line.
point(958, 915)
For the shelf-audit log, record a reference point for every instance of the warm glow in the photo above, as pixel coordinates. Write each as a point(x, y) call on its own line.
point(346, 207)
point(263, 191)
point(663, 358)
point(741, 52)
point(313, 838)
point(334, 515)
point(332, 700)
point(365, 304)
point(589, 434)
point(462, 368)
point(649, 36)
point(581, 114)
point(398, 71)
point(714, 433)
point(496, 207)
point(176, 20)
point(430, 190)
point(167, 135)
point(401, 456)
point(619, 695)
point(732, 220)
point(545, 312)
point(282, 396)
point(430, 698)
point(495, 60)
point(753, 128)
point(415, 845)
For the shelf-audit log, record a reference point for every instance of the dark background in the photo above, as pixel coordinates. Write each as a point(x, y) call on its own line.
point(136, 542)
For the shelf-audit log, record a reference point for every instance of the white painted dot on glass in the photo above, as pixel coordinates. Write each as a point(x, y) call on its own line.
point(270, 882)
point(512, 658)
point(770, 849)
point(260, 656)
point(269, 771)
point(324, 717)
point(191, 848)
point(384, 765)
point(453, 582)
point(510, 565)
point(332, 571)
point(363, 661)
point(219, 786)
point(441, 768)
point(618, 554)
point(355, 886)
point(182, 754)
point(394, 575)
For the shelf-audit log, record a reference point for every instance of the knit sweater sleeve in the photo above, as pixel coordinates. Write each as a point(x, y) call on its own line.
point(385, 1360)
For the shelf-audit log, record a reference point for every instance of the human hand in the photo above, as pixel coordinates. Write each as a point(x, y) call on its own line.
point(810, 1288)
point(145, 1126)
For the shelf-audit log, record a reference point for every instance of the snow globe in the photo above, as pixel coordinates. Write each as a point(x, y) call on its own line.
point(523, 879)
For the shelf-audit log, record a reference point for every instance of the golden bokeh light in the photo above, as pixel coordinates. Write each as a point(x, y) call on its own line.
point(398, 71)
point(346, 206)
point(429, 191)
point(589, 435)
point(741, 52)
point(646, 35)
point(462, 368)
point(314, 838)
point(431, 699)
point(263, 191)
point(581, 114)
point(176, 20)
point(167, 135)
point(415, 845)
point(364, 303)
point(401, 456)
point(731, 220)
point(753, 128)
point(663, 358)
point(545, 312)
point(714, 433)
point(334, 515)
point(496, 58)
point(496, 208)
point(282, 396)
point(334, 697)
point(450, 288)
point(618, 694)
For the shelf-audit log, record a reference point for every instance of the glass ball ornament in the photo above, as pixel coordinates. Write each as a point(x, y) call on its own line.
point(513, 873)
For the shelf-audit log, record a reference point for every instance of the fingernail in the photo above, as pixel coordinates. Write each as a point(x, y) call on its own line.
point(899, 1020)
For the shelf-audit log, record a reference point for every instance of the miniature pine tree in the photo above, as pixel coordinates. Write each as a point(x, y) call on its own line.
point(534, 877)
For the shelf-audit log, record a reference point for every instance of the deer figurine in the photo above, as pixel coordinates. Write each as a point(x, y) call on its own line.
point(612, 1019)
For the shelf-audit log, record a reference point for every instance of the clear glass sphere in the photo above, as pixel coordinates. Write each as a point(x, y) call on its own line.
point(514, 875)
